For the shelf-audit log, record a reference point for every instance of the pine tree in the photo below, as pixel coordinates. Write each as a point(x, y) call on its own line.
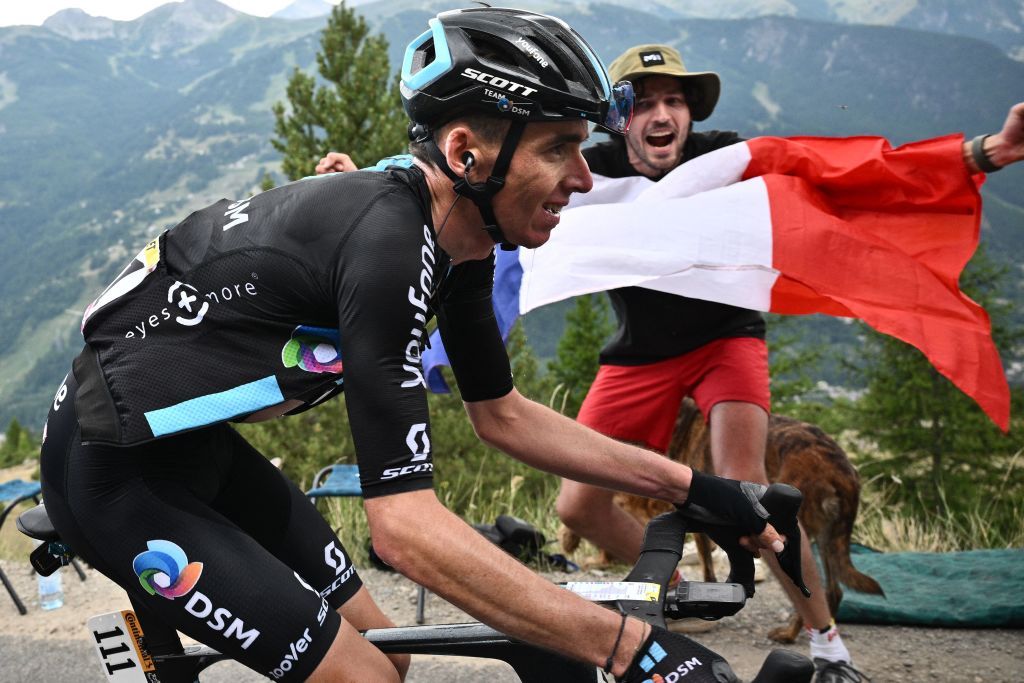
point(530, 382)
point(588, 326)
point(18, 445)
point(944, 447)
point(356, 109)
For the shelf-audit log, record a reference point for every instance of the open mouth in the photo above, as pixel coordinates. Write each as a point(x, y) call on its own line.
point(553, 209)
point(660, 140)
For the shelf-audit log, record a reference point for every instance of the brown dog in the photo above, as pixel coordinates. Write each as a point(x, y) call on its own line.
point(799, 454)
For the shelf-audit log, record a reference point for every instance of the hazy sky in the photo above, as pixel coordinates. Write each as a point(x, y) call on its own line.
point(36, 11)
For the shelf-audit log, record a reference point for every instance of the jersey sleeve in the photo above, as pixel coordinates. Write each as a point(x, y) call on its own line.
point(470, 332)
point(382, 279)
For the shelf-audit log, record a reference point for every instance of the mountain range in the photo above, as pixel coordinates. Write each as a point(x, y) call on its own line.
point(111, 131)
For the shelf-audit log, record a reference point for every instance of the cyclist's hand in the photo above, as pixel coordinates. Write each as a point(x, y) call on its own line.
point(725, 510)
point(335, 162)
point(670, 656)
point(737, 503)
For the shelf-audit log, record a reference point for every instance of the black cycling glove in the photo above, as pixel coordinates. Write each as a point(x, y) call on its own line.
point(673, 656)
point(737, 502)
point(737, 505)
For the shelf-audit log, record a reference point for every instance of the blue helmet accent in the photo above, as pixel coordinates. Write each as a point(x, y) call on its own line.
point(441, 65)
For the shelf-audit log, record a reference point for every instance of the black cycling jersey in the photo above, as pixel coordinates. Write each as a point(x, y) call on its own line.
point(296, 293)
point(205, 535)
point(654, 325)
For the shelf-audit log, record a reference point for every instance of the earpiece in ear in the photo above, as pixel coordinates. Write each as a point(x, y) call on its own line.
point(468, 159)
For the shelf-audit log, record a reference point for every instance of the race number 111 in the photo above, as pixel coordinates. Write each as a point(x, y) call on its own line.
point(118, 639)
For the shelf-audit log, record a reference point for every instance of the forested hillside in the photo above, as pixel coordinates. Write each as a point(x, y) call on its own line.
point(112, 131)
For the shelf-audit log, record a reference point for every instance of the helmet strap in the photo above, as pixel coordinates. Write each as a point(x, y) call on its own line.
point(483, 193)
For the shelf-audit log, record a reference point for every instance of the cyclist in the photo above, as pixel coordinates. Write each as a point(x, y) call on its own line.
point(267, 306)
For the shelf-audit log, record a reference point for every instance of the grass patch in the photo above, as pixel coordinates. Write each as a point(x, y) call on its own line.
point(13, 544)
point(889, 522)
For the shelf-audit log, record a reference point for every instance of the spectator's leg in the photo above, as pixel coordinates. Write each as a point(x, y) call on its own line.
point(637, 404)
point(738, 436)
point(592, 514)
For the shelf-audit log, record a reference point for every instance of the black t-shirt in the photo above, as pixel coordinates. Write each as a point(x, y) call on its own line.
point(654, 325)
point(296, 293)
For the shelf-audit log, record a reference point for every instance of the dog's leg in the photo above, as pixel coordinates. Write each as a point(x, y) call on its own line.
point(789, 632)
point(704, 550)
point(568, 539)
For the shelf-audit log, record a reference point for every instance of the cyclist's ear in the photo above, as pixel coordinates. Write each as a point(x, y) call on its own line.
point(465, 148)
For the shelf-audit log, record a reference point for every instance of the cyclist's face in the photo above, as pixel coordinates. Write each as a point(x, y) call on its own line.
point(661, 122)
point(546, 169)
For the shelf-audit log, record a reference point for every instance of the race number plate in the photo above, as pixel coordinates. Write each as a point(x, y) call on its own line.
point(118, 640)
point(609, 591)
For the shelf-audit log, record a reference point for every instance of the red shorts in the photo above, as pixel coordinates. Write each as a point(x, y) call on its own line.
point(639, 403)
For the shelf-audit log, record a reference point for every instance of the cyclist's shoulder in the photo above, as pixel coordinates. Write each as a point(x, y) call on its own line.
point(313, 216)
point(383, 189)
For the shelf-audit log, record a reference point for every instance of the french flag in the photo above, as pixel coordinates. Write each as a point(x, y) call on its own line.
point(850, 227)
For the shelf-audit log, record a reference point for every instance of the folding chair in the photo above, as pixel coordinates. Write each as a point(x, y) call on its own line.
point(11, 494)
point(342, 481)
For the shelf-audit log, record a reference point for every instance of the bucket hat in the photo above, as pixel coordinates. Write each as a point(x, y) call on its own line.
point(641, 61)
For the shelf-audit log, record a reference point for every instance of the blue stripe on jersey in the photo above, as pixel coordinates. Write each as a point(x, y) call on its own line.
point(205, 410)
point(403, 160)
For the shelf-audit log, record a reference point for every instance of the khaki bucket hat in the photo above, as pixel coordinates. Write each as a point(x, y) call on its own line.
point(661, 60)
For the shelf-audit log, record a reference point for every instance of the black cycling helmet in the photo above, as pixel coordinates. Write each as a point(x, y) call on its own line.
point(511, 64)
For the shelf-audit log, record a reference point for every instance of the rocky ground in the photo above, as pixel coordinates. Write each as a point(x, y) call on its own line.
point(55, 646)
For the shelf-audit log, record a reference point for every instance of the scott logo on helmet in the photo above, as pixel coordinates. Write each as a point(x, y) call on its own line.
point(497, 81)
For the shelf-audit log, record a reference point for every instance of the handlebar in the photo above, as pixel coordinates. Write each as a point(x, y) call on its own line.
point(662, 550)
point(782, 502)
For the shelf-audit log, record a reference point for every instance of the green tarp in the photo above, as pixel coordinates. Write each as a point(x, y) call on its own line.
point(977, 589)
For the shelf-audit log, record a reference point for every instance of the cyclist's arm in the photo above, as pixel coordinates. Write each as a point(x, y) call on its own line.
point(547, 440)
point(542, 437)
point(380, 281)
point(423, 540)
point(411, 529)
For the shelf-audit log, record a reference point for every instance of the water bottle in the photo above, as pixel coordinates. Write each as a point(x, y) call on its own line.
point(51, 594)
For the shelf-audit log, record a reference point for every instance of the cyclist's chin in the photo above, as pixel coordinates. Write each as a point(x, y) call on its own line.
point(534, 237)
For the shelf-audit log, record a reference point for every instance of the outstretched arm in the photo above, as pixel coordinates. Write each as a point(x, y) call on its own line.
point(1003, 148)
point(545, 439)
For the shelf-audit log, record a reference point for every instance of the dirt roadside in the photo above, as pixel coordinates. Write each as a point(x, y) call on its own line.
point(886, 653)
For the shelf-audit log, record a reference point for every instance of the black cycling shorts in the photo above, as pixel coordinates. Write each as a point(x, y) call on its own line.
point(206, 534)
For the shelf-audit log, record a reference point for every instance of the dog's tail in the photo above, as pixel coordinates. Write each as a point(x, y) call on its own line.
point(856, 579)
point(836, 556)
